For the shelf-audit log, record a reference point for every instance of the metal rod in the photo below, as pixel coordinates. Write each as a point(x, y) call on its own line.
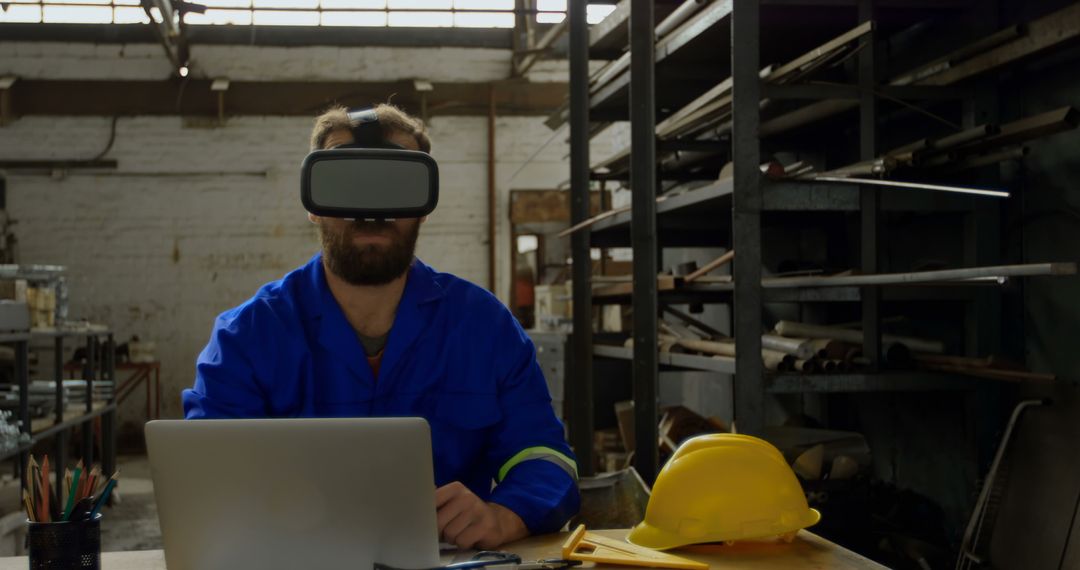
point(88, 427)
point(58, 374)
point(913, 185)
point(22, 376)
point(643, 235)
point(746, 215)
point(969, 273)
point(108, 420)
point(581, 387)
point(492, 193)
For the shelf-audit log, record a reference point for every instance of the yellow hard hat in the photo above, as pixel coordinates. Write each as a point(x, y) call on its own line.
point(723, 487)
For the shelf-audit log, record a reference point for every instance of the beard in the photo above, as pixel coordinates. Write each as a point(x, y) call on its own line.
point(369, 264)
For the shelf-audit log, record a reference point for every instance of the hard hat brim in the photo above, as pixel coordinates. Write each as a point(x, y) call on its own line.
point(659, 539)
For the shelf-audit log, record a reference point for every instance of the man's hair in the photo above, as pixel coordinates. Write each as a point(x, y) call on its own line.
point(391, 119)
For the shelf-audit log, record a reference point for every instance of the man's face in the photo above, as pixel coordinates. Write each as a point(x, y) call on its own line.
point(368, 253)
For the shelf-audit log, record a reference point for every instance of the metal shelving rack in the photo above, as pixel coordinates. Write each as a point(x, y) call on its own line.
point(100, 358)
point(729, 212)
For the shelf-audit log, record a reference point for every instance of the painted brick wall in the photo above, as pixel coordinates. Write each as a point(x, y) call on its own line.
point(194, 219)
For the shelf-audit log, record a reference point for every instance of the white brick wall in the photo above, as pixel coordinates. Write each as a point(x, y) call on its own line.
point(58, 60)
point(182, 230)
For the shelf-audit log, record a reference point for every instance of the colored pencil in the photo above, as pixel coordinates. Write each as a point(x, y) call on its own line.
point(45, 490)
point(73, 490)
point(29, 505)
point(104, 495)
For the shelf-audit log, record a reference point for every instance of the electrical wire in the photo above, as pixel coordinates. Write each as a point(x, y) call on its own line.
point(108, 145)
point(900, 102)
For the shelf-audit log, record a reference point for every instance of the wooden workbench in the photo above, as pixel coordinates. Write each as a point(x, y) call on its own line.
point(807, 551)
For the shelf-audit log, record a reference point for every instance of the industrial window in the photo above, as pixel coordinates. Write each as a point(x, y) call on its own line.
point(378, 13)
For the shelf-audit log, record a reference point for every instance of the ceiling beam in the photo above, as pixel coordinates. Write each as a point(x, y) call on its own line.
point(194, 97)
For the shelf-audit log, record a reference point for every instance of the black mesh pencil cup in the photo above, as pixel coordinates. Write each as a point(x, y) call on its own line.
point(65, 545)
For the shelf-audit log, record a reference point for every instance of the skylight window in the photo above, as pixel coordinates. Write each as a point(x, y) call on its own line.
point(359, 13)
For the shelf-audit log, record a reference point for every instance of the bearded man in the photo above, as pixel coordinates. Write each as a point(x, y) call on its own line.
point(366, 329)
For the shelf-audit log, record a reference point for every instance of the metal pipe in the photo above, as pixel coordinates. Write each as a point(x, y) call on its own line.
point(797, 347)
point(964, 137)
point(943, 63)
point(795, 329)
point(913, 185)
point(987, 159)
point(808, 366)
point(1023, 270)
point(678, 16)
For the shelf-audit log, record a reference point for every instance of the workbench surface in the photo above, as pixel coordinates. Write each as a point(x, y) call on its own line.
point(806, 551)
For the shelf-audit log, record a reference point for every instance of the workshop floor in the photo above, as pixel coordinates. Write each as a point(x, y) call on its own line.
point(131, 523)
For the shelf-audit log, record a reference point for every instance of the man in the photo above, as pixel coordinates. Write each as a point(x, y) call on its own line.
point(366, 329)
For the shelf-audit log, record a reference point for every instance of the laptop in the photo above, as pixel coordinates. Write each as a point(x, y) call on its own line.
point(294, 493)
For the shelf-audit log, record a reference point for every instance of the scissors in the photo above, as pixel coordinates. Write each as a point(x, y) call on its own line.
point(493, 560)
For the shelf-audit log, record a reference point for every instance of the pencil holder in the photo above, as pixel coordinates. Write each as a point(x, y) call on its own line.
point(70, 544)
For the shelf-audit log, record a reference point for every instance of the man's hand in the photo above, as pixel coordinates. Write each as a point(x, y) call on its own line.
point(469, 522)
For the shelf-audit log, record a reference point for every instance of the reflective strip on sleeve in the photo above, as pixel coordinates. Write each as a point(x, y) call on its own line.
point(542, 453)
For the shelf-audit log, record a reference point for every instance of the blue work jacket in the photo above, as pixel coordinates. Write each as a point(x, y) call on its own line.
point(455, 356)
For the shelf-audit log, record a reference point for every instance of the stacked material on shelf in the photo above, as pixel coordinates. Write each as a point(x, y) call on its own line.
point(997, 50)
point(74, 391)
point(40, 404)
point(714, 107)
point(11, 438)
point(610, 454)
point(844, 345)
point(964, 150)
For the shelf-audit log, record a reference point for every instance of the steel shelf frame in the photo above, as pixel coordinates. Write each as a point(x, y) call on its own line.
point(730, 213)
point(100, 357)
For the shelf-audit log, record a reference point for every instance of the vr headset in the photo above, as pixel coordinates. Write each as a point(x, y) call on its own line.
point(369, 179)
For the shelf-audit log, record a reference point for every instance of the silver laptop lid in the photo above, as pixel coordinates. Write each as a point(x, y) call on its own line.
point(294, 493)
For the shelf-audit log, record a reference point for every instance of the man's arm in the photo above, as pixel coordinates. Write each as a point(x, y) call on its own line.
point(225, 376)
point(535, 471)
point(536, 477)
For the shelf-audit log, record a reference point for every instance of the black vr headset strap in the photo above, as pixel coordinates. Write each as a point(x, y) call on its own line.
point(366, 131)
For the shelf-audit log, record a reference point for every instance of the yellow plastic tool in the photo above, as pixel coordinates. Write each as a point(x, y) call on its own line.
point(590, 547)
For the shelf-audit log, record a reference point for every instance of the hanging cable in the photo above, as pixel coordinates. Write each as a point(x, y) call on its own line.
point(112, 139)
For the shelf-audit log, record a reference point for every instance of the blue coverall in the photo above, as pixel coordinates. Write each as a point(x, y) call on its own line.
point(455, 356)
